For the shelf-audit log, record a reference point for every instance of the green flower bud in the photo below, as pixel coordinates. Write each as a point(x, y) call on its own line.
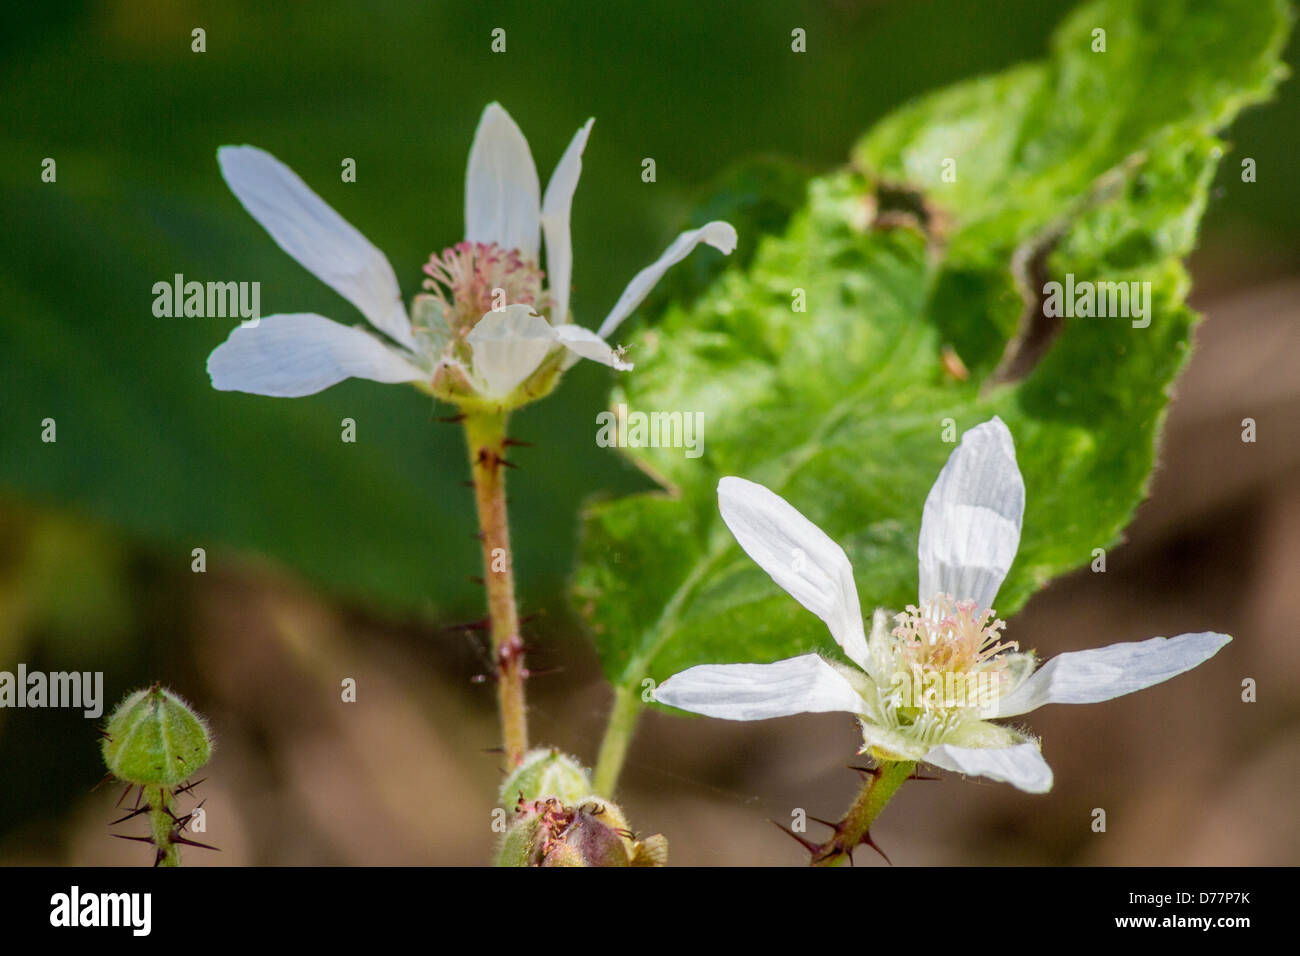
point(154, 739)
point(546, 773)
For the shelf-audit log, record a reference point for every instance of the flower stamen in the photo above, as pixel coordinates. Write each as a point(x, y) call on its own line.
point(952, 655)
point(471, 279)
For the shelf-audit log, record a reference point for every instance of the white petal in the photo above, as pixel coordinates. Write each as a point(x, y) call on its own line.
point(501, 189)
point(300, 354)
point(797, 685)
point(305, 226)
point(509, 345)
point(589, 345)
point(720, 235)
point(799, 556)
point(970, 527)
point(556, 206)
point(1022, 766)
point(1087, 677)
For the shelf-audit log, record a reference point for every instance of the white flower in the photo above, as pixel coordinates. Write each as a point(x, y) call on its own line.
point(925, 689)
point(481, 330)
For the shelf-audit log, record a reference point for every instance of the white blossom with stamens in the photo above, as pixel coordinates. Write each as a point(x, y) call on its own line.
point(486, 323)
point(949, 641)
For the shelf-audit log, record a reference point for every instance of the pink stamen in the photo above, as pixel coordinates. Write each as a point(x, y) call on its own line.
point(472, 278)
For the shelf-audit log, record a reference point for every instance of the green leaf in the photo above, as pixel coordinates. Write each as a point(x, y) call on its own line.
point(1095, 164)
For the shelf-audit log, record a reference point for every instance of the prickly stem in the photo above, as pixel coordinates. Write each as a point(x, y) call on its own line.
point(160, 826)
point(485, 436)
point(881, 783)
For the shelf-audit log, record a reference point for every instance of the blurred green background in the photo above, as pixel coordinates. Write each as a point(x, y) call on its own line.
point(373, 538)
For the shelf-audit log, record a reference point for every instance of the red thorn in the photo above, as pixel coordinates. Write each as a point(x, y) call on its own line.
point(517, 443)
point(511, 649)
point(806, 844)
point(188, 787)
point(202, 846)
point(453, 419)
point(825, 823)
point(476, 579)
point(866, 838)
point(482, 624)
point(136, 839)
point(133, 813)
point(544, 672)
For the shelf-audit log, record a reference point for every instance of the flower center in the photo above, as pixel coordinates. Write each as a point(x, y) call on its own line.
point(949, 655)
point(473, 278)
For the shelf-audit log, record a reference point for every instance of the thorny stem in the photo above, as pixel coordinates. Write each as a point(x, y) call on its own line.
point(160, 825)
point(618, 735)
point(485, 434)
point(855, 828)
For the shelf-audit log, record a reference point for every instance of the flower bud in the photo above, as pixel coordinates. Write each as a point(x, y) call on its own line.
point(153, 738)
point(546, 773)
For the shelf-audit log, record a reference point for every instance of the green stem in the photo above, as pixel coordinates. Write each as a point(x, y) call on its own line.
point(485, 434)
point(855, 828)
point(160, 825)
point(623, 715)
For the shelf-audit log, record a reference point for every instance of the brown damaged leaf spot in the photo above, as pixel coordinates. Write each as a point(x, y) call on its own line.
point(1035, 330)
point(898, 205)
